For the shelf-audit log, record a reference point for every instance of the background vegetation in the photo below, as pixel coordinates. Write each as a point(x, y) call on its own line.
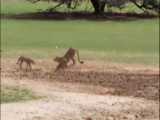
point(23, 6)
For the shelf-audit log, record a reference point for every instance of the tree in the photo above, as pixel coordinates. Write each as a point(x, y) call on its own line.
point(70, 3)
point(147, 4)
point(99, 5)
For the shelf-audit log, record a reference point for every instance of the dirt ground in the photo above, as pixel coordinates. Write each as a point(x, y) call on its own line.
point(99, 90)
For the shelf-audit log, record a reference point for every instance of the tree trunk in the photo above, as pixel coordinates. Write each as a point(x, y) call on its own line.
point(102, 6)
point(98, 6)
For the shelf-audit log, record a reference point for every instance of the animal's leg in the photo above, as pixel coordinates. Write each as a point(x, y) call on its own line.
point(30, 67)
point(27, 67)
point(57, 68)
point(20, 65)
point(65, 65)
point(74, 61)
point(17, 61)
point(61, 66)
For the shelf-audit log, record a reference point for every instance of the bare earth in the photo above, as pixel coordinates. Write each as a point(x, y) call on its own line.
point(99, 90)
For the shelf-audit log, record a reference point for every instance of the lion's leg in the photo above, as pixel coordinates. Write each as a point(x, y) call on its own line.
point(61, 66)
point(73, 60)
point(57, 68)
point(65, 66)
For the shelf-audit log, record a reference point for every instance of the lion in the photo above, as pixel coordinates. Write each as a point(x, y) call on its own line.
point(69, 56)
point(26, 60)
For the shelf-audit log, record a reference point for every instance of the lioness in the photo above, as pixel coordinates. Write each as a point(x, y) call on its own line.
point(69, 55)
point(26, 60)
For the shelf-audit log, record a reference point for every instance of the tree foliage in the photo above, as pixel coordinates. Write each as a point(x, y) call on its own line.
point(147, 4)
point(99, 5)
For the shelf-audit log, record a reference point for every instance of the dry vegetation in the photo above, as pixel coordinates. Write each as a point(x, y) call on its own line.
point(96, 90)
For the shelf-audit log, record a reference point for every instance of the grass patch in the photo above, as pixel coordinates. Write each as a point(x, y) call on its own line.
point(132, 41)
point(16, 94)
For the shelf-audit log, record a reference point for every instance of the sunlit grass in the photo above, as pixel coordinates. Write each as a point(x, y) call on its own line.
point(15, 94)
point(132, 41)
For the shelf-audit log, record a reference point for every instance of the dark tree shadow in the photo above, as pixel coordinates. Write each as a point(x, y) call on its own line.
point(78, 16)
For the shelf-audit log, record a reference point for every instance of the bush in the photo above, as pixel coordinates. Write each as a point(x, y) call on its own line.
point(15, 94)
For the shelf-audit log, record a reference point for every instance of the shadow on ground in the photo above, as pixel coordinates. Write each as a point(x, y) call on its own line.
point(78, 16)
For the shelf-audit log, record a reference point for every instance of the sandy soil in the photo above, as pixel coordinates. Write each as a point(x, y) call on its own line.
point(99, 90)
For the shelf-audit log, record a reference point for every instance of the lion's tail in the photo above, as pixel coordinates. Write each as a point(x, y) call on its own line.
point(79, 57)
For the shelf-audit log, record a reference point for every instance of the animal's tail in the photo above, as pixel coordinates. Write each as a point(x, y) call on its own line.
point(79, 57)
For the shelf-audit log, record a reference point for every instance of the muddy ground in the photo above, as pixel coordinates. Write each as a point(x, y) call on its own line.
point(96, 89)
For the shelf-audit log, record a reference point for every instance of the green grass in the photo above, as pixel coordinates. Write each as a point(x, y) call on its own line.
point(15, 94)
point(131, 42)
